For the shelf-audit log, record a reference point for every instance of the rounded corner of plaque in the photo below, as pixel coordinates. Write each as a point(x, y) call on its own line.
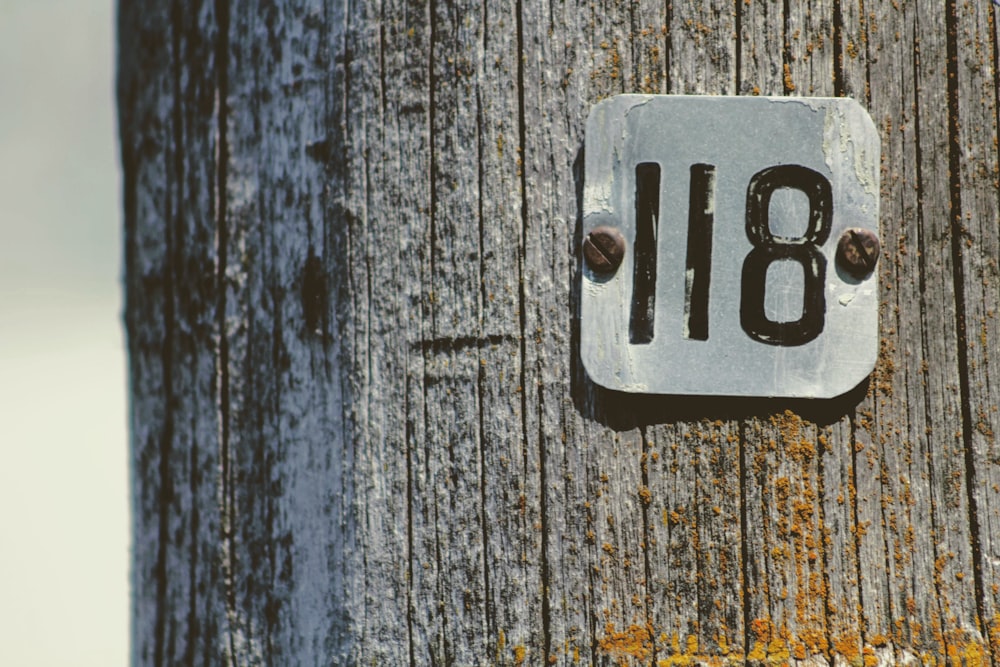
point(856, 107)
point(593, 370)
point(600, 106)
point(850, 383)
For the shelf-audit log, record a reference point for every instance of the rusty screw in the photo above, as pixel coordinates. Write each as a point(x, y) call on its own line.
point(603, 249)
point(858, 251)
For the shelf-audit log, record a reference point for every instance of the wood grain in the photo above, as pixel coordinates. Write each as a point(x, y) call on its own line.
point(361, 431)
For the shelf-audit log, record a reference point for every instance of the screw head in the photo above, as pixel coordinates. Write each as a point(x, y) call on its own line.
point(603, 249)
point(857, 251)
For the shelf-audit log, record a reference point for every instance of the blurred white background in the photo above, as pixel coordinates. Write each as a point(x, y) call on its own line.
point(63, 476)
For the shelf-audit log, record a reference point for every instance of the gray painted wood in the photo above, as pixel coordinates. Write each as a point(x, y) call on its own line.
point(361, 432)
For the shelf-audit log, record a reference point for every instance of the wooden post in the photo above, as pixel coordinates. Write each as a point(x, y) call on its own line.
point(361, 431)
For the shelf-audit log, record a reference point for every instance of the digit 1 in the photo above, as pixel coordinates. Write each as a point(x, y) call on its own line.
point(768, 248)
point(701, 216)
point(647, 214)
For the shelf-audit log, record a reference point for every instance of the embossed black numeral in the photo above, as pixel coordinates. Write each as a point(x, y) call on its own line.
point(647, 214)
point(701, 216)
point(769, 248)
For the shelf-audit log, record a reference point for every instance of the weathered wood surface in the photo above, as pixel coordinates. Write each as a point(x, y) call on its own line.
point(361, 431)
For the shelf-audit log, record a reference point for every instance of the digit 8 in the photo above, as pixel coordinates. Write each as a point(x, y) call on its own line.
point(768, 248)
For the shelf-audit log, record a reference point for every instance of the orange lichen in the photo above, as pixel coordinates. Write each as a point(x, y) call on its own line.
point(789, 86)
point(773, 644)
point(848, 645)
point(688, 655)
point(635, 641)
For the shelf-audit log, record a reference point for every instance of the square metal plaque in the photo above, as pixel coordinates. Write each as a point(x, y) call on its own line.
point(728, 212)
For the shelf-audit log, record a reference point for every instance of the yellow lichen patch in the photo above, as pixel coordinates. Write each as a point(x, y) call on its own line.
point(690, 655)
point(519, 654)
point(635, 641)
point(761, 629)
point(965, 648)
point(773, 645)
point(778, 652)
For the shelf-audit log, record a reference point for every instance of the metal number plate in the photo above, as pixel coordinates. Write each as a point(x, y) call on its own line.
point(730, 209)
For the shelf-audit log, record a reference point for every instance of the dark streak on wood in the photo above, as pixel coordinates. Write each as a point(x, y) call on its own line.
point(959, 235)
